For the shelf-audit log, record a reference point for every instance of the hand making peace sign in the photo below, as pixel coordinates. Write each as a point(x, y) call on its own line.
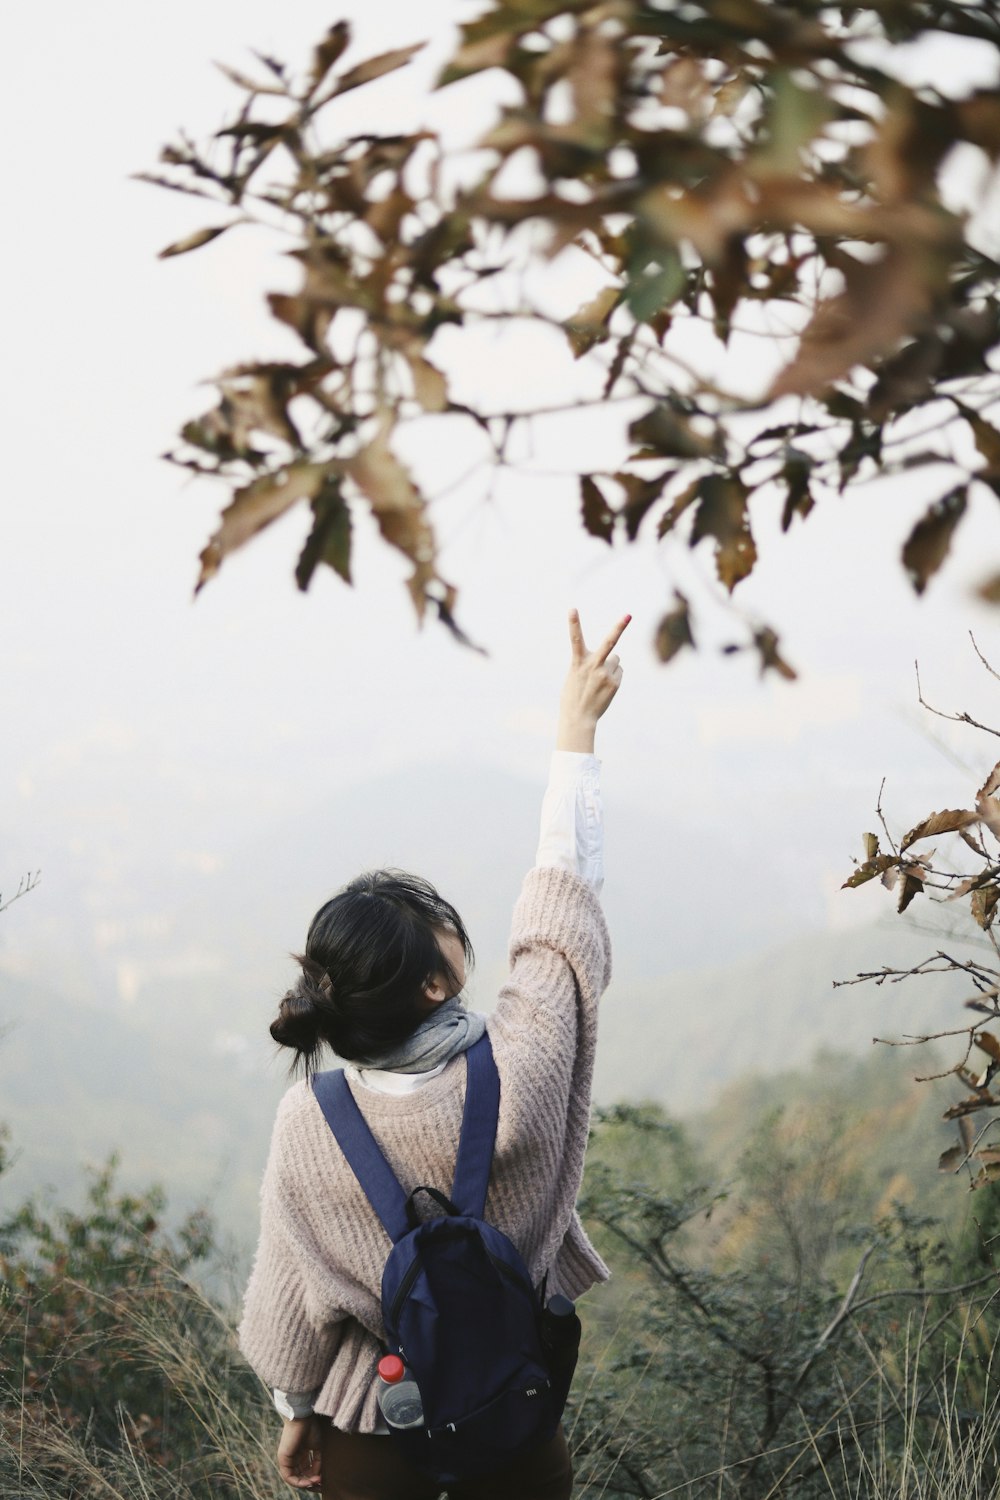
point(591, 683)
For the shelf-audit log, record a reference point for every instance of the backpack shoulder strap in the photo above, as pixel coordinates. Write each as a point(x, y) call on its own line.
point(479, 1129)
point(362, 1151)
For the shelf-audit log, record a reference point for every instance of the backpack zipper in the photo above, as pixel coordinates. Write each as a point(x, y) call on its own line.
point(403, 1290)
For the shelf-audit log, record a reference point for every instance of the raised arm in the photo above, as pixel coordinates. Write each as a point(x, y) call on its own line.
point(591, 683)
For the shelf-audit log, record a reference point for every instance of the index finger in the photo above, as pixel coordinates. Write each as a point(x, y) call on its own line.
point(576, 636)
point(611, 640)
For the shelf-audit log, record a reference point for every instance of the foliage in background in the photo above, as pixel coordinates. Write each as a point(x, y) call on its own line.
point(735, 1344)
point(117, 1376)
point(724, 165)
point(967, 871)
point(796, 1346)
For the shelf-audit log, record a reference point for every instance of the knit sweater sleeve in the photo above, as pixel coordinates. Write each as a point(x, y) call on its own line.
point(287, 1333)
point(560, 965)
point(544, 1035)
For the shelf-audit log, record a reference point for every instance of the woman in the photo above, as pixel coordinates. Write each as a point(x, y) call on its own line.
point(384, 964)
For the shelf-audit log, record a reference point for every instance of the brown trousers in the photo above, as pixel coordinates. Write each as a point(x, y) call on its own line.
point(358, 1466)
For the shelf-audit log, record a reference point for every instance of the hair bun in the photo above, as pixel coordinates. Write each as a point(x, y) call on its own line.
point(298, 1020)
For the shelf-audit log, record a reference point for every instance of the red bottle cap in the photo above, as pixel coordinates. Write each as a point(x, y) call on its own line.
point(391, 1368)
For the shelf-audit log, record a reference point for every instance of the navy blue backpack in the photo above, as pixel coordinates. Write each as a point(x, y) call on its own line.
point(457, 1301)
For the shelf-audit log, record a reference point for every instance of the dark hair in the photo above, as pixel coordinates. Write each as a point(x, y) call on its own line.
point(370, 952)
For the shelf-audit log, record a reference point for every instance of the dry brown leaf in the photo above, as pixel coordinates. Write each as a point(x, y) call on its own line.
point(593, 77)
point(251, 85)
point(870, 841)
point(984, 904)
point(640, 496)
point(683, 85)
point(877, 864)
point(905, 378)
point(979, 120)
point(729, 95)
point(376, 67)
point(972, 884)
point(707, 218)
point(397, 504)
point(989, 814)
point(255, 506)
point(329, 541)
point(255, 399)
point(987, 441)
point(598, 517)
point(986, 1176)
point(474, 56)
point(195, 241)
point(988, 1043)
point(881, 302)
point(990, 785)
point(679, 505)
point(911, 883)
point(910, 139)
point(329, 51)
point(429, 384)
point(967, 1152)
point(949, 821)
point(327, 285)
point(589, 324)
point(669, 433)
point(928, 544)
point(766, 642)
point(989, 590)
point(386, 214)
point(674, 630)
point(971, 1105)
point(722, 514)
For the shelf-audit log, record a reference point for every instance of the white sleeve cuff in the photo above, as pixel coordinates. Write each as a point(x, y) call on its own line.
point(293, 1405)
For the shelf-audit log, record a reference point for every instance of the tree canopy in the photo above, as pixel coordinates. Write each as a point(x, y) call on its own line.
point(720, 163)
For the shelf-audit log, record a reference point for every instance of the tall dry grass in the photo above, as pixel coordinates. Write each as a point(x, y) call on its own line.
point(904, 1431)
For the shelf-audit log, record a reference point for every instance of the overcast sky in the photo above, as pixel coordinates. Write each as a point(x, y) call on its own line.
point(127, 706)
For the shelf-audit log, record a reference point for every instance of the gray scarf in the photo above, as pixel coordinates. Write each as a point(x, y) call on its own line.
point(447, 1031)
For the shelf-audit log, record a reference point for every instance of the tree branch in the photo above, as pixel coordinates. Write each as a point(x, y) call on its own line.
point(27, 883)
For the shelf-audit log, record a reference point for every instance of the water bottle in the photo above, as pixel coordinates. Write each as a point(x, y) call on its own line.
point(398, 1396)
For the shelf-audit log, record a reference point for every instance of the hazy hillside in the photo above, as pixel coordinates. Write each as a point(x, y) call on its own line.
point(215, 919)
point(679, 1039)
point(188, 1100)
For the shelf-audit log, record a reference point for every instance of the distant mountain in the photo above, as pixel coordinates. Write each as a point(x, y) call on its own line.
point(210, 926)
point(182, 1110)
point(679, 1040)
point(184, 1081)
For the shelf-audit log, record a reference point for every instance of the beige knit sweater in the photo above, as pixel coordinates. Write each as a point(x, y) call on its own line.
point(311, 1316)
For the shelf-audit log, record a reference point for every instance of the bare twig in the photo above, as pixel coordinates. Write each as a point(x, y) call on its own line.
point(27, 883)
point(881, 818)
point(920, 1041)
point(991, 669)
point(959, 718)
